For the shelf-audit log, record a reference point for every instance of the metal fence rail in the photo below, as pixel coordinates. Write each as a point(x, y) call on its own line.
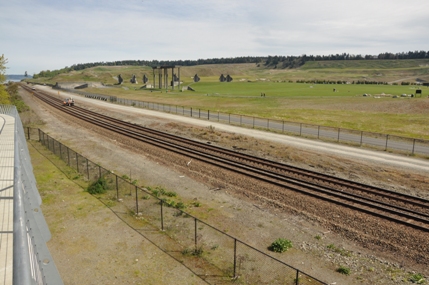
point(379, 141)
point(222, 254)
point(32, 262)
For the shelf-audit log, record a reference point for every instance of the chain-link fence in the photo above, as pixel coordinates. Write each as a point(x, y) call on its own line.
point(209, 251)
point(340, 135)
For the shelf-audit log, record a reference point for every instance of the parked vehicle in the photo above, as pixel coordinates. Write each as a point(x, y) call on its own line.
point(68, 102)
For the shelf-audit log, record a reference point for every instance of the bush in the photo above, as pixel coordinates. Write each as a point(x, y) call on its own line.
point(343, 270)
point(280, 245)
point(98, 187)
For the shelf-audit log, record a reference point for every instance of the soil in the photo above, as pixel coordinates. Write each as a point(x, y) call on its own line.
point(100, 248)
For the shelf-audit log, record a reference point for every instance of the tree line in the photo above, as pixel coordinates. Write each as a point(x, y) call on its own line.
point(265, 61)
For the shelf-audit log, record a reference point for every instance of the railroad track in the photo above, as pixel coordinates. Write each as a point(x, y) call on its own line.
point(393, 206)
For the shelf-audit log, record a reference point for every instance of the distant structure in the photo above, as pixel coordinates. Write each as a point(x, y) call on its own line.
point(162, 72)
point(223, 78)
point(120, 80)
point(196, 78)
point(133, 80)
point(26, 74)
point(145, 79)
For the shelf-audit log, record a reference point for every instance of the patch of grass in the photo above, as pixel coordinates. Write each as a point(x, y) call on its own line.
point(98, 187)
point(344, 270)
point(341, 251)
point(280, 245)
point(417, 278)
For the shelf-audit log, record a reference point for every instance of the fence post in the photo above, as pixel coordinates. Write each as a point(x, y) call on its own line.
point(361, 137)
point(117, 188)
point(387, 139)
point(99, 172)
point(297, 277)
point(137, 202)
point(318, 132)
point(253, 122)
point(283, 126)
point(191, 112)
point(338, 135)
point(195, 234)
point(229, 118)
point(68, 156)
point(162, 216)
point(87, 167)
point(28, 133)
point(268, 124)
point(208, 115)
point(300, 129)
point(61, 153)
point(235, 258)
point(414, 143)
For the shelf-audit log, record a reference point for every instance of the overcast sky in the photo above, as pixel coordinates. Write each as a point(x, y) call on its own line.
point(38, 35)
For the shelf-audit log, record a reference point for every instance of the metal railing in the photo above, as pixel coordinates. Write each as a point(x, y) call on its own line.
point(224, 256)
point(373, 140)
point(32, 261)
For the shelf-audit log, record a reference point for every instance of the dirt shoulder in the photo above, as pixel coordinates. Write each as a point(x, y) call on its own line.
point(250, 221)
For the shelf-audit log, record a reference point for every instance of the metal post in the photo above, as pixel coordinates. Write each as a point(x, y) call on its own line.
point(253, 123)
point(338, 134)
point(162, 216)
point(300, 129)
point(297, 277)
point(318, 132)
point(68, 156)
point(195, 233)
point(414, 143)
point(235, 258)
point(208, 115)
point(117, 188)
point(361, 138)
point(387, 139)
point(137, 202)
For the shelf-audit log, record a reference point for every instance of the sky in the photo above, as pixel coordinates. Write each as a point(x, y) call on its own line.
point(38, 35)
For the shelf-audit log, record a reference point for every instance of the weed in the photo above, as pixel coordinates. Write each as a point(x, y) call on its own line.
point(98, 187)
point(280, 245)
point(343, 270)
point(318, 237)
point(417, 278)
point(180, 206)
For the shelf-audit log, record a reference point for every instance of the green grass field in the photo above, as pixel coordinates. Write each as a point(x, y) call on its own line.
point(319, 104)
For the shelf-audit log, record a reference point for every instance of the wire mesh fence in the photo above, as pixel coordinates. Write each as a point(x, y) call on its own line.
point(354, 137)
point(210, 252)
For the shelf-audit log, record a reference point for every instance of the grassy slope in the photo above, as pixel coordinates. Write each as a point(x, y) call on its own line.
point(308, 103)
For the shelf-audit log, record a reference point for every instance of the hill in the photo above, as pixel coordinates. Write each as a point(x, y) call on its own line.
point(412, 70)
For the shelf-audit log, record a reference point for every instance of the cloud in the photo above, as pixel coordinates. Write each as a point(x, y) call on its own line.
point(47, 34)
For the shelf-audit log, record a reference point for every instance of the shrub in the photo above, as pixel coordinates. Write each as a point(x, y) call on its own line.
point(280, 245)
point(98, 187)
point(343, 270)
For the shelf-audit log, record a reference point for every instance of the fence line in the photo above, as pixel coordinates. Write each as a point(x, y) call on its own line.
point(359, 138)
point(224, 253)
